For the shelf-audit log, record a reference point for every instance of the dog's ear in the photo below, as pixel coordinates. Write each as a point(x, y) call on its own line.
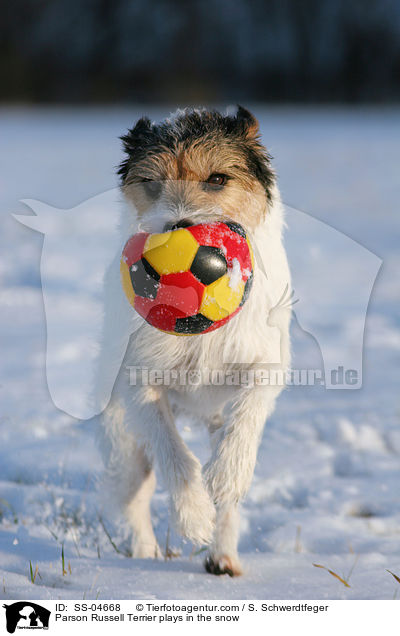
point(138, 135)
point(135, 141)
point(247, 122)
point(258, 159)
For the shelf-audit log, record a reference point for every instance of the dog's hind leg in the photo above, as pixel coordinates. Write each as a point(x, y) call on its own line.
point(137, 510)
point(130, 480)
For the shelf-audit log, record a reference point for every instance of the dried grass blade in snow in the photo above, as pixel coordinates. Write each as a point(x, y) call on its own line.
point(339, 578)
point(394, 576)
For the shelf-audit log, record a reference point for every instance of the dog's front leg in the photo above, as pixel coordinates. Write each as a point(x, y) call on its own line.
point(229, 472)
point(152, 421)
point(223, 556)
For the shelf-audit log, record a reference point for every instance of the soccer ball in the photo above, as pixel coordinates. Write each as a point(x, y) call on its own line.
point(189, 280)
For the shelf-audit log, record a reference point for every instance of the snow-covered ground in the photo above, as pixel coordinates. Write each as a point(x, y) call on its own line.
point(326, 488)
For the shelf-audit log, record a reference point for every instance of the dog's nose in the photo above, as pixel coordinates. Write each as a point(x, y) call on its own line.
point(174, 225)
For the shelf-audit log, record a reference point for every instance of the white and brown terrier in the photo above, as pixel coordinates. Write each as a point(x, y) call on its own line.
point(197, 166)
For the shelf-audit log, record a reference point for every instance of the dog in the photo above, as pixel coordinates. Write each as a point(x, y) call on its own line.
point(197, 166)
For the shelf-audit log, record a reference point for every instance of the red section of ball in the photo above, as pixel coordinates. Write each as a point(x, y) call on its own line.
point(134, 248)
point(238, 249)
point(163, 317)
point(212, 234)
point(144, 305)
point(181, 291)
point(157, 314)
point(179, 295)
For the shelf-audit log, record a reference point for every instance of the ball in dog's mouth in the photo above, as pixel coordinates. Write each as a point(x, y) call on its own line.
point(190, 279)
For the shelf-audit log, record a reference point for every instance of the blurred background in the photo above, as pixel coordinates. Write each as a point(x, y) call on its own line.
point(78, 51)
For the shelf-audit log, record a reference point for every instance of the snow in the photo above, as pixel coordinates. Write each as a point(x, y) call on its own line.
point(326, 487)
point(235, 274)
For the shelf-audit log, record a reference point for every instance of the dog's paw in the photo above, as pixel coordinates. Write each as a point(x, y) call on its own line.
point(223, 564)
point(193, 514)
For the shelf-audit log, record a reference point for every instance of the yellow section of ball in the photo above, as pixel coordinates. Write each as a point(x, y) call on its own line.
point(220, 300)
point(126, 282)
point(171, 252)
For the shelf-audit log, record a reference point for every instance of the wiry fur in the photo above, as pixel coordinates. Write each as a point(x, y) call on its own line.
point(139, 424)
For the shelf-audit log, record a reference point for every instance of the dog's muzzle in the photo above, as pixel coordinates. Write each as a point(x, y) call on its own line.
point(174, 225)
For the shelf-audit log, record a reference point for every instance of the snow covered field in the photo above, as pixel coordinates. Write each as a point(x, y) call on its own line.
point(327, 483)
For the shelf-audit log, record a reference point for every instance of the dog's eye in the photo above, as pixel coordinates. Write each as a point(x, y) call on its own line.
point(216, 181)
point(152, 188)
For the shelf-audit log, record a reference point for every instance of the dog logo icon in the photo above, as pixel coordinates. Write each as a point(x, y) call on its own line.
point(26, 615)
point(332, 275)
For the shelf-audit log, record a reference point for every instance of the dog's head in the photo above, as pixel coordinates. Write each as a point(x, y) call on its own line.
point(197, 166)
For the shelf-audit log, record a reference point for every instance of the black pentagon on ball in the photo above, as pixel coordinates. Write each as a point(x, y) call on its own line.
point(247, 288)
point(192, 324)
point(236, 227)
point(209, 264)
point(144, 279)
